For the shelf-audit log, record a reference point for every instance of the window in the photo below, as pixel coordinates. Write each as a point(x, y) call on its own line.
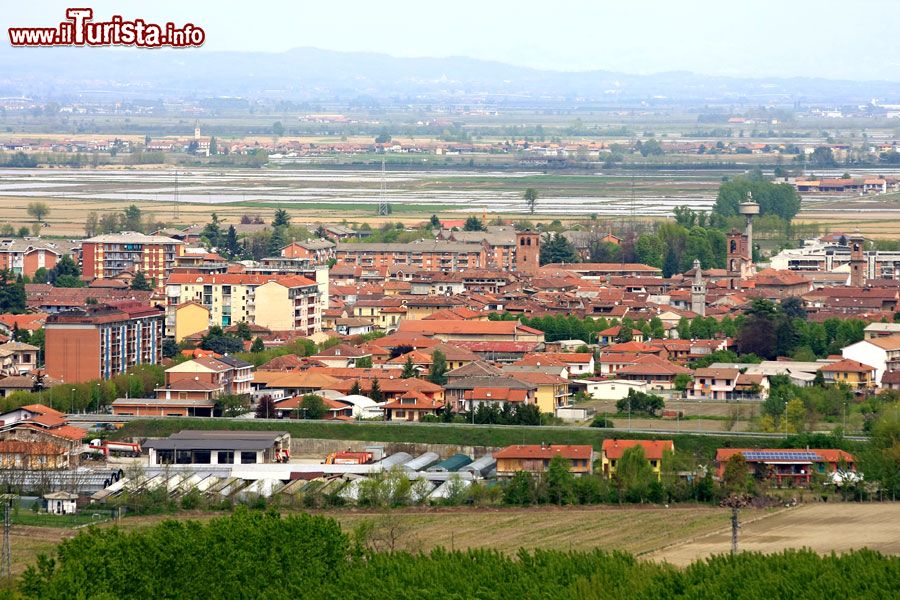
point(400, 414)
point(248, 458)
point(226, 457)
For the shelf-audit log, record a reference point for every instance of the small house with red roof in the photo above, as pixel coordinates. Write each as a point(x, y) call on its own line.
point(412, 406)
point(612, 451)
point(535, 458)
point(785, 466)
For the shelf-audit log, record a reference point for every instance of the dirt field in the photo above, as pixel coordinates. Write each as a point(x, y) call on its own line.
point(820, 527)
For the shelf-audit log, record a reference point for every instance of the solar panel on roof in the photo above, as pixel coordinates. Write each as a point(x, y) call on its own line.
point(786, 455)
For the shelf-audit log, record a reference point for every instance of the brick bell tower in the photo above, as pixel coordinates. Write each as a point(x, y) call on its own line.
point(528, 251)
point(739, 261)
point(857, 261)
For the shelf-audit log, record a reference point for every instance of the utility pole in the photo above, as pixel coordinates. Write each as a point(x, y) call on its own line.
point(5, 552)
point(383, 208)
point(735, 502)
point(734, 529)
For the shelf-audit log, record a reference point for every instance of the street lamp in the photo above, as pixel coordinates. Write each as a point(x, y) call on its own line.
point(784, 417)
point(629, 413)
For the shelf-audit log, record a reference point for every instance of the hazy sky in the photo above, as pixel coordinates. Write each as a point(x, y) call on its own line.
point(847, 39)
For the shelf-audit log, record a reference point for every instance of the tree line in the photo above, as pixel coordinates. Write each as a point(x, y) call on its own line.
point(269, 555)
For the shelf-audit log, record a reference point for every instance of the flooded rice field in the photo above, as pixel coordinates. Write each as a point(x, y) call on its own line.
point(652, 194)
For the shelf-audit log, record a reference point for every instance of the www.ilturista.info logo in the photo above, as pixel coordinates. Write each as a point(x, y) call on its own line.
point(79, 29)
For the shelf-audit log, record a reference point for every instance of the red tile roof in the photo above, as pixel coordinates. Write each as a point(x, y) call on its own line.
point(653, 449)
point(537, 451)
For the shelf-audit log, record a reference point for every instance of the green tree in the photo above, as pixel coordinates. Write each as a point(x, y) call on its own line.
point(795, 414)
point(822, 156)
point(364, 362)
point(634, 476)
point(313, 407)
point(132, 219)
point(434, 221)
point(277, 129)
point(91, 224)
point(640, 402)
point(169, 348)
point(277, 241)
point(375, 392)
point(12, 294)
point(881, 461)
point(258, 345)
point(626, 331)
point(140, 282)
point(38, 210)
point(736, 477)
point(438, 372)
point(212, 232)
point(560, 481)
point(557, 249)
point(473, 223)
point(409, 369)
point(242, 330)
point(520, 490)
point(281, 218)
point(531, 197)
point(650, 250)
point(231, 246)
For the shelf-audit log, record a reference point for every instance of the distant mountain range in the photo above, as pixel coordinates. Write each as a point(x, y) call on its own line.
point(310, 74)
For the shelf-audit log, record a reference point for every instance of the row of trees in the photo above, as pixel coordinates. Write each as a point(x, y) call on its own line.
point(335, 564)
point(131, 218)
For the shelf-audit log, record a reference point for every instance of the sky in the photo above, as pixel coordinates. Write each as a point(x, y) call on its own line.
point(837, 39)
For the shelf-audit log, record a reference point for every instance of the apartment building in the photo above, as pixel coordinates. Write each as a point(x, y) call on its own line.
point(25, 257)
point(278, 303)
point(106, 256)
point(422, 255)
point(101, 341)
point(316, 251)
point(505, 250)
point(228, 376)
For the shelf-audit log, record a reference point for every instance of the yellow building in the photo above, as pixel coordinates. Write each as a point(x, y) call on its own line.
point(552, 391)
point(190, 318)
point(535, 459)
point(654, 450)
point(279, 303)
point(383, 316)
point(851, 373)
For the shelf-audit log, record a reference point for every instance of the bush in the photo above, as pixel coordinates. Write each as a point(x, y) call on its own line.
point(602, 421)
point(639, 402)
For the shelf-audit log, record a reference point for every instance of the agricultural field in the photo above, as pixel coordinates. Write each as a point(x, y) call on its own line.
point(678, 535)
point(822, 528)
point(315, 193)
